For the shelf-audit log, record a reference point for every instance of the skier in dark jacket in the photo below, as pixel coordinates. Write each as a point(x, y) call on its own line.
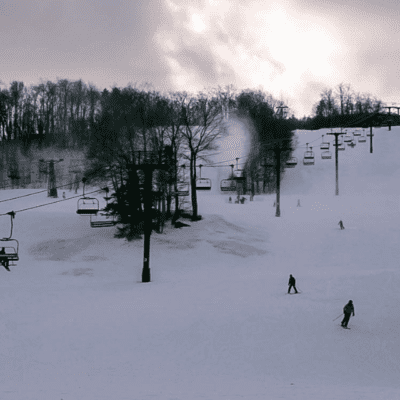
point(292, 283)
point(347, 311)
point(4, 262)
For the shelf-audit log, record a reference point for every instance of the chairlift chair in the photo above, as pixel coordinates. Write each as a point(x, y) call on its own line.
point(357, 133)
point(324, 145)
point(228, 185)
point(348, 139)
point(326, 155)
point(203, 184)
point(88, 206)
point(341, 147)
point(9, 249)
point(291, 163)
point(309, 158)
point(102, 221)
point(182, 189)
point(370, 134)
point(238, 174)
point(362, 139)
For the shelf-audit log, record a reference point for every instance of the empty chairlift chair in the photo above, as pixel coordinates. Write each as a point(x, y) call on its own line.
point(291, 162)
point(228, 185)
point(203, 184)
point(87, 205)
point(324, 145)
point(348, 139)
point(102, 221)
point(182, 189)
point(309, 157)
point(362, 139)
point(326, 155)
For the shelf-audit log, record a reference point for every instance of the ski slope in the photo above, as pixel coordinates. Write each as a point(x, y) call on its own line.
point(215, 322)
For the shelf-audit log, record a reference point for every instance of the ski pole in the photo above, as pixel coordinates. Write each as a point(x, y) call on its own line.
point(338, 317)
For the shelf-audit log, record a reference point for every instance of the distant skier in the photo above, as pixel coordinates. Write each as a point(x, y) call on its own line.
point(298, 203)
point(292, 284)
point(230, 199)
point(347, 311)
point(341, 224)
point(64, 195)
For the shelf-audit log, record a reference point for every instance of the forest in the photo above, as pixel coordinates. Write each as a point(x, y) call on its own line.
point(114, 132)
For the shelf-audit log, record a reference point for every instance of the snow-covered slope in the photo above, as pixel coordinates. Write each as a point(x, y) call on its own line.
point(215, 322)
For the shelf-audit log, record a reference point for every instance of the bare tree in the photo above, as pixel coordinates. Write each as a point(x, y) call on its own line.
point(203, 125)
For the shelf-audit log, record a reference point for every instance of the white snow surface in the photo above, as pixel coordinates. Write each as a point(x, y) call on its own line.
point(215, 321)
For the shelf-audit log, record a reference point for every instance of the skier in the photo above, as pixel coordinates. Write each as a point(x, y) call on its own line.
point(347, 311)
point(292, 283)
point(230, 199)
point(4, 261)
point(298, 203)
point(341, 224)
point(64, 195)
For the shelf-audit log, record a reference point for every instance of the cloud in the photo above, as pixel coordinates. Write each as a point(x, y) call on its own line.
point(289, 48)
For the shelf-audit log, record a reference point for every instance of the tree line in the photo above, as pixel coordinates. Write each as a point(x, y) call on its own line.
point(342, 106)
point(120, 128)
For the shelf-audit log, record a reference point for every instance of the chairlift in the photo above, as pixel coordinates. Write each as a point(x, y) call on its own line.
point(348, 139)
point(291, 162)
point(357, 133)
point(238, 174)
point(370, 134)
point(228, 185)
point(87, 205)
point(9, 247)
point(352, 143)
point(102, 221)
point(324, 145)
point(203, 184)
point(182, 189)
point(362, 139)
point(341, 147)
point(326, 155)
point(309, 158)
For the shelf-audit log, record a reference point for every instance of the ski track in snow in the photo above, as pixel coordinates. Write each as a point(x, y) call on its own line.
point(215, 322)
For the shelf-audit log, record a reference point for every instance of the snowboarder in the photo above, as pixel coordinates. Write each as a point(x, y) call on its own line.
point(292, 283)
point(341, 224)
point(4, 261)
point(347, 311)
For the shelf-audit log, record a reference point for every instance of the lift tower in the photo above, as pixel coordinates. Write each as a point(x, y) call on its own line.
point(336, 159)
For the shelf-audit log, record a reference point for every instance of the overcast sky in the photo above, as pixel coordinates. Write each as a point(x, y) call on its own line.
point(291, 48)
